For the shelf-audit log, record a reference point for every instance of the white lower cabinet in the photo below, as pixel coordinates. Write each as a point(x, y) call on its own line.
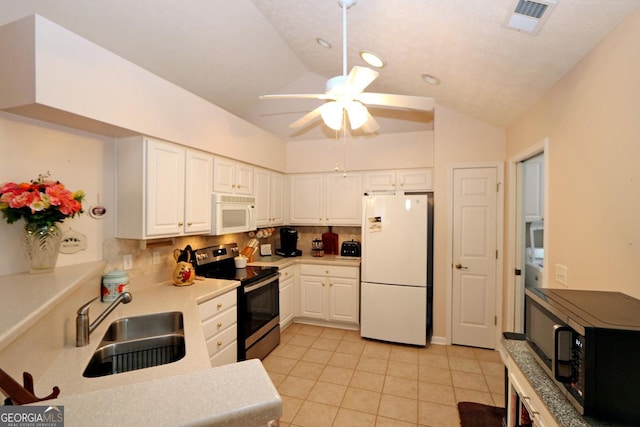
point(329, 293)
point(288, 292)
point(524, 405)
point(219, 317)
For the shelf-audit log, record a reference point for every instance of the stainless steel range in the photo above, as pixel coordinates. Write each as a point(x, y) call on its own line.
point(258, 298)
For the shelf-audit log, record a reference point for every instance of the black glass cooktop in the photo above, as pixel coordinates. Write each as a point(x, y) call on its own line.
point(216, 262)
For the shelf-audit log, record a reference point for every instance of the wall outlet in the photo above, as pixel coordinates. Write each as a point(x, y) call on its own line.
point(155, 258)
point(127, 262)
point(561, 274)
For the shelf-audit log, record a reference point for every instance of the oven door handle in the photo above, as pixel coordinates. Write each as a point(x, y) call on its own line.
point(261, 284)
point(555, 363)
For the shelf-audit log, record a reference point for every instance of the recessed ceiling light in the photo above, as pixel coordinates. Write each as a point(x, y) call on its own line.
point(372, 59)
point(432, 80)
point(322, 42)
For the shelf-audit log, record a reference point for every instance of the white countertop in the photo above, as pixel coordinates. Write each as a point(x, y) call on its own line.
point(26, 297)
point(185, 392)
point(66, 371)
point(283, 262)
point(236, 395)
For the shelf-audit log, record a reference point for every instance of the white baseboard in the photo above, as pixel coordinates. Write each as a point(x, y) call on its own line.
point(438, 340)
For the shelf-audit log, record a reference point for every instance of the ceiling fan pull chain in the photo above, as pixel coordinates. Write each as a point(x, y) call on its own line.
point(344, 143)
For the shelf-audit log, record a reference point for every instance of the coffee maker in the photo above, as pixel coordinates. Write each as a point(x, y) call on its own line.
point(288, 243)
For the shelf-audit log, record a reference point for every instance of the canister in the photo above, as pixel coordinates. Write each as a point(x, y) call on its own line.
point(316, 248)
point(113, 284)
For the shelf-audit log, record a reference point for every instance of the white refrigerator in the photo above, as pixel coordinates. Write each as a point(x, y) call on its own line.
point(393, 305)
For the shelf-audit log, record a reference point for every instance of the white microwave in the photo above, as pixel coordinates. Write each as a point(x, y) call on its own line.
point(232, 214)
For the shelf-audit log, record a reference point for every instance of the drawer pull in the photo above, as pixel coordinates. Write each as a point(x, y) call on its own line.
point(219, 306)
point(219, 343)
point(219, 325)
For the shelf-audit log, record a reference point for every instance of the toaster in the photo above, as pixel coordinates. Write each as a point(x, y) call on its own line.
point(351, 248)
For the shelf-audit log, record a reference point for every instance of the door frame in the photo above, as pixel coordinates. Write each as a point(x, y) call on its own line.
point(514, 241)
point(499, 166)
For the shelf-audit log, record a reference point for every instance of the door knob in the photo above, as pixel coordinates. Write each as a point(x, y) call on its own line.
point(461, 267)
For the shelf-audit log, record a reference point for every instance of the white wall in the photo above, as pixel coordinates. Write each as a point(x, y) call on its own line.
point(459, 139)
point(78, 159)
point(75, 79)
point(592, 120)
point(387, 151)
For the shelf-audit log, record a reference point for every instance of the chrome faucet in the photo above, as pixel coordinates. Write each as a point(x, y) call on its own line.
point(83, 329)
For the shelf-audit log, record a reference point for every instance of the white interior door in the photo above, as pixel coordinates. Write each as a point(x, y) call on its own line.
point(473, 311)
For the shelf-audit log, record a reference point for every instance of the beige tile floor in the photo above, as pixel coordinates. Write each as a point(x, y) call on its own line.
point(333, 377)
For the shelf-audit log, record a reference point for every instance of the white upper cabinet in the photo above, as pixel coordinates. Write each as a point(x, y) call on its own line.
point(325, 199)
point(269, 192)
point(197, 201)
point(162, 189)
point(343, 199)
point(399, 180)
point(306, 194)
point(533, 177)
point(232, 177)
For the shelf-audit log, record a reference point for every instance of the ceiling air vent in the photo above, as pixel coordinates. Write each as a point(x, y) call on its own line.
point(529, 16)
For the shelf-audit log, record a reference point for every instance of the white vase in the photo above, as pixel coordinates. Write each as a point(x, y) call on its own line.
point(41, 246)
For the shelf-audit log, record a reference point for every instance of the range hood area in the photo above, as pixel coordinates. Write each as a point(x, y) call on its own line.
point(50, 73)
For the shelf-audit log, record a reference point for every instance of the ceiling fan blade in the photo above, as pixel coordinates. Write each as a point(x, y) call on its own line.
point(302, 121)
point(299, 95)
point(422, 103)
point(358, 79)
point(371, 126)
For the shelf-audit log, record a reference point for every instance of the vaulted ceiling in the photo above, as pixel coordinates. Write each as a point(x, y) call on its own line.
point(231, 52)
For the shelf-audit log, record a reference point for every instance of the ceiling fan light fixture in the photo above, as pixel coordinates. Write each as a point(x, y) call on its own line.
point(358, 114)
point(322, 42)
point(372, 59)
point(331, 114)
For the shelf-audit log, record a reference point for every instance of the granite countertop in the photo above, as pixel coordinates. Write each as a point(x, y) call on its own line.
point(551, 395)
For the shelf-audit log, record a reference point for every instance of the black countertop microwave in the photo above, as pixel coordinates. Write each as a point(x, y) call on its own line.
point(589, 343)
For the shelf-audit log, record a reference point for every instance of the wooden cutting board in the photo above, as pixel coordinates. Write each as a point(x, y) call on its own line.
point(330, 243)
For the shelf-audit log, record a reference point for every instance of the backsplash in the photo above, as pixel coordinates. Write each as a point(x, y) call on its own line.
point(145, 273)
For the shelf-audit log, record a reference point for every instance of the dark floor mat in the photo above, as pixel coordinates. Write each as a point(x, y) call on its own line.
point(478, 415)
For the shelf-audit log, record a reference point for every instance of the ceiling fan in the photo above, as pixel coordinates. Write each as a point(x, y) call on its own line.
point(346, 97)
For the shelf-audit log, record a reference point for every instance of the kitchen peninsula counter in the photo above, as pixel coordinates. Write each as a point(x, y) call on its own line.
point(185, 392)
point(551, 396)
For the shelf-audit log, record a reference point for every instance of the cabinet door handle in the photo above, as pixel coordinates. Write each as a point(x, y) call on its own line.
point(189, 224)
point(181, 223)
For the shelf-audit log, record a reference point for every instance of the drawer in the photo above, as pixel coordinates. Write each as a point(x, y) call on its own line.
point(225, 356)
point(287, 272)
point(218, 323)
point(217, 305)
point(329, 270)
point(218, 342)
